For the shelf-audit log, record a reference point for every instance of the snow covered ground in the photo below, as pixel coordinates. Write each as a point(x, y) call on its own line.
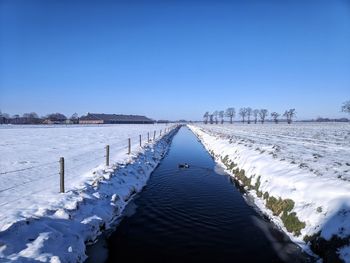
point(35, 219)
point(322, 149)
point(299, 175)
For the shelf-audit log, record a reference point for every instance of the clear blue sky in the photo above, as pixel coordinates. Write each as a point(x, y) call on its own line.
point(174, 59)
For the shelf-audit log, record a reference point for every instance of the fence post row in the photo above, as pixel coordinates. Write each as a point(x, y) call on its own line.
point(107, 155)
point(61, 175)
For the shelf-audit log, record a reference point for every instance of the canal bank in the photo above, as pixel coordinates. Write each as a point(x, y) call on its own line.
point(290, 174)
point(193, 214)
point(61, 230)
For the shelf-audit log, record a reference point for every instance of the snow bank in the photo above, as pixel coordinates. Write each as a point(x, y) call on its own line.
point(29, 167)
point(56, 227)
point(313, 208)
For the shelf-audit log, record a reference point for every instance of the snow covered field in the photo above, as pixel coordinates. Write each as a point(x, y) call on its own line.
point(299, 175)
point(322, 149)
point(95, 194)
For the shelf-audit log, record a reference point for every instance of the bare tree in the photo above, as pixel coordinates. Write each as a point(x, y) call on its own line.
point(27, 118)
point(31, 115)
point(289, 114)
point(262, 114)
point(57, 117)
point(221, 115)
point(206, 117)
point(275, 116)
point(215, 114)
point(243, 113)
point(4, 118)
point(346, 107)
point(211, 118)
point(5, 115)
point(249, 113)
point(231, 113)
point(74, 116)
point(255, 114)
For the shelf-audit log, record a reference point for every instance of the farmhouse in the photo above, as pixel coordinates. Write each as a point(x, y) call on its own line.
point(98, 118)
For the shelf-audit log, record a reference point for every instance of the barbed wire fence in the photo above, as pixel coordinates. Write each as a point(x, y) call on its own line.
point(11, 194)
point(132, 143)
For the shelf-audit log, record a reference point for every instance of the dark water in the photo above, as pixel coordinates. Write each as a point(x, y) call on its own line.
point(195, 215)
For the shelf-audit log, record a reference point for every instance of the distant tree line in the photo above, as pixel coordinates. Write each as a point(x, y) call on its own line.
point(247, 115)
point(320, 119)
point(33, 118)
point(52, 118)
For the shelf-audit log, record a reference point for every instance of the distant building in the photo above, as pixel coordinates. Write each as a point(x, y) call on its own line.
point(55, 118)
point(69, 121)
point(98, 118)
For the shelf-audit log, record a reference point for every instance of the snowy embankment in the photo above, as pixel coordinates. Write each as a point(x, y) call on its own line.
point(40, 224)
point(298, 175)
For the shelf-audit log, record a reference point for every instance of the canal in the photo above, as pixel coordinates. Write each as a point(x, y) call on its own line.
point(194, 214)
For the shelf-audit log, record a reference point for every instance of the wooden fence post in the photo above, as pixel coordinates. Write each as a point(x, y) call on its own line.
point(140, 141)
point(107, 155)
point(154, 136)
point(160, 133)
point(61, 175)
point(147, 136)
point(129, 146)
